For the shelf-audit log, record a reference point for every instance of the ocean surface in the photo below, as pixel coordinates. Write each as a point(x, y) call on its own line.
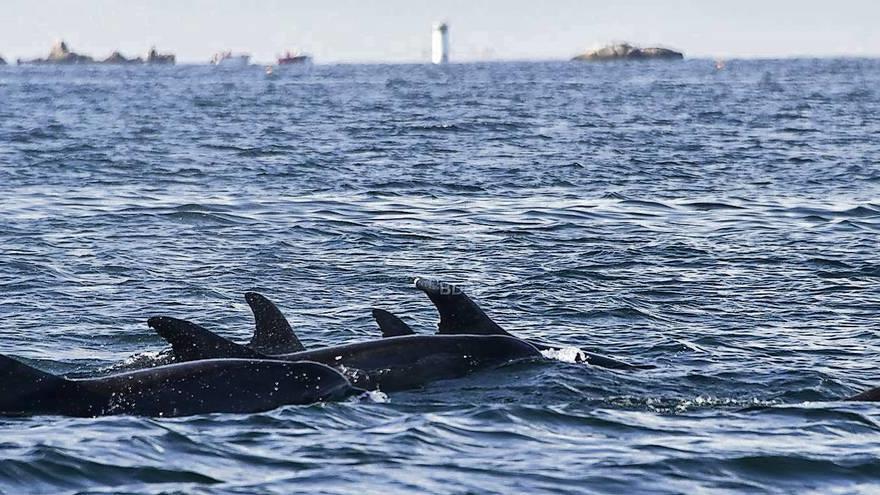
point(722, 225)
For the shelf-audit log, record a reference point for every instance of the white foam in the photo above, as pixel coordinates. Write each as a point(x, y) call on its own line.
point(377, 396)
point(141, 357)
point(565, 354)
point(147, 359)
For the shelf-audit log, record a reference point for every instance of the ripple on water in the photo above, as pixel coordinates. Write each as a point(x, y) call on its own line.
point(663, 214)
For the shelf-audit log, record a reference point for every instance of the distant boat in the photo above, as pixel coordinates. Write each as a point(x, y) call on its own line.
point(294, 58)
point(227, 59)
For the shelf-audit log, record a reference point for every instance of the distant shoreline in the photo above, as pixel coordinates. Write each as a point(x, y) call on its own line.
point(261, 64)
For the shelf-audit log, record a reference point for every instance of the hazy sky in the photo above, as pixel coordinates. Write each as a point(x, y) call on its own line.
point(399, 30)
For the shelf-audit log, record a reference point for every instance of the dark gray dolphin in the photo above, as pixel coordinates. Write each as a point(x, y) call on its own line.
point(391, 325)
point(390, 364)
point(273, 334)
point(459, 314)
point(872, 395)
point(200, 387)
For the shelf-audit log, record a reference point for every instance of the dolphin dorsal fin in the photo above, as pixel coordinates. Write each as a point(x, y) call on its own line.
point(458, 313)
point(27, 390)
point(273, 334)
point(191, 342)
point(390, 324)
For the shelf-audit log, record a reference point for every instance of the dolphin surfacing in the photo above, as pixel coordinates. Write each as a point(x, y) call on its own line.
point(872, 395)
point(390, 364)
point(459, 314)
point(199, 387)
point(272, 334)
point(390, 324)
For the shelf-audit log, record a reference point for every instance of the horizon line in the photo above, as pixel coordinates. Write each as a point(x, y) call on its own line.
point(796, 56)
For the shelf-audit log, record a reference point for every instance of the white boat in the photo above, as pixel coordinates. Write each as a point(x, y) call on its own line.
point(293, 58)
point(228, 59)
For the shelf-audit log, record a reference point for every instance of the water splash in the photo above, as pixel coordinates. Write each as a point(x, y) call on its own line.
point(566, 355)
point(377, 396)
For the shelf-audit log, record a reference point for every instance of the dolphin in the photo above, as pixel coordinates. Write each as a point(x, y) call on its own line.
point(390, 364)
point(211, 386)
point(459, 315)
point(272, 334)
point(390, 324)
point(872, 395)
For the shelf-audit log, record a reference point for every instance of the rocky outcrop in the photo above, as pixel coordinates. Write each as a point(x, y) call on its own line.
point(154, 57)
point(117, 58)
point(625, 51)
point(2, 61)
point(60, 54)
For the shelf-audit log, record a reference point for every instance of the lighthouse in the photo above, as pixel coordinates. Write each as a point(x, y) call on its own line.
point(440, 43)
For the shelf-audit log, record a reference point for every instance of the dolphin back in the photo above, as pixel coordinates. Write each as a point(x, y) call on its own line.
point(198, 387)
point(218, 386)
point(459, 314)
point(26, 390)
point(190, 342)
point(872, 395)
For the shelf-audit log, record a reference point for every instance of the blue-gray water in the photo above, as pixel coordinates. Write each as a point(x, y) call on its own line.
point(722, 225)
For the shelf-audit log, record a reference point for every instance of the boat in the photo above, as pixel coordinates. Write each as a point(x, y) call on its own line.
point(294, 57)
point(228, 59)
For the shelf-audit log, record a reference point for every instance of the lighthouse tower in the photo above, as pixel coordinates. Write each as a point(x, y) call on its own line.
point(440, 43)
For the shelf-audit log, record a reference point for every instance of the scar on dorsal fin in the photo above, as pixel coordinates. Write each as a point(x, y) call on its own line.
point(191, 342)
point(458, 313)
point(391, 325)
point(273, 334)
